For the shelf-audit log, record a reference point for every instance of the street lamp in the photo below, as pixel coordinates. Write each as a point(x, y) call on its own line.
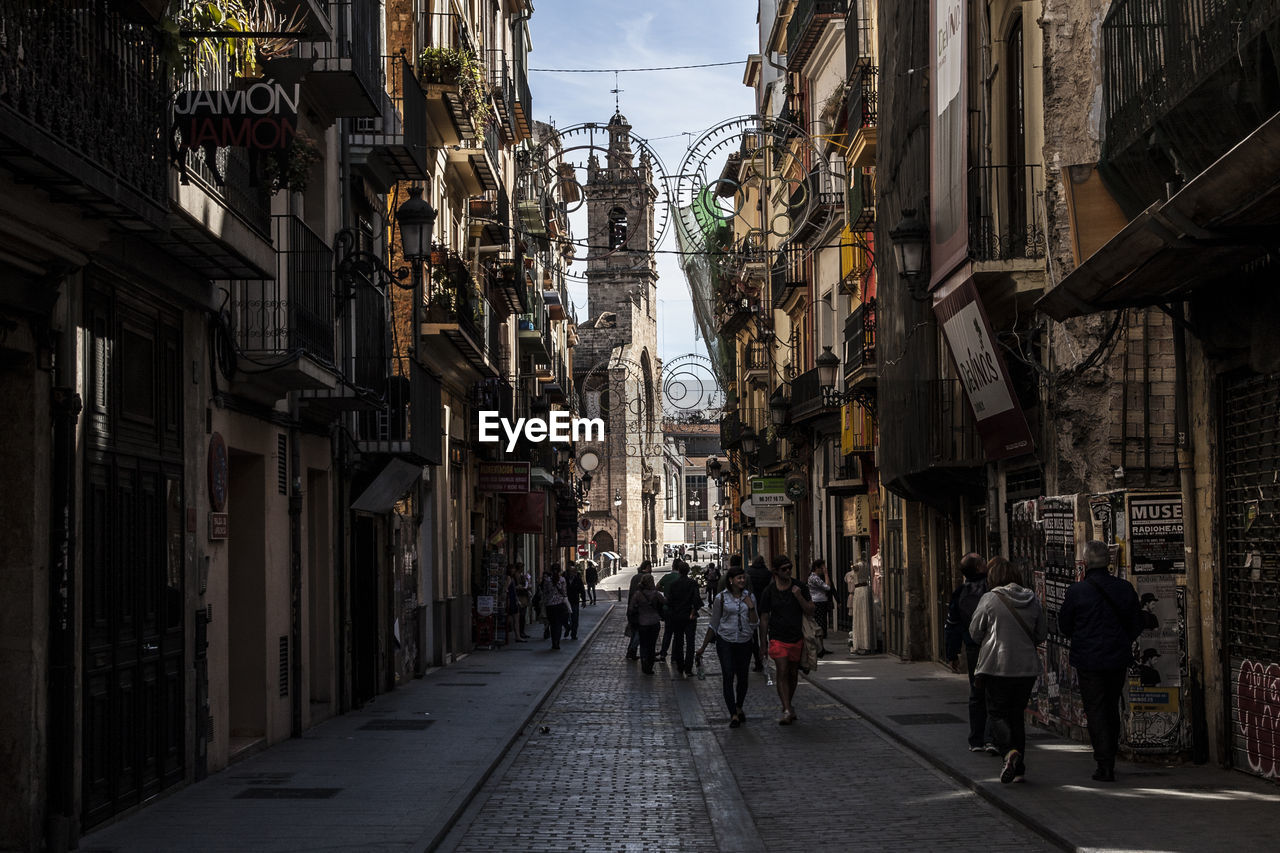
point(909, 238)
point(779, 406)
point(417, 220)
point(750, 441)
point(617, 497)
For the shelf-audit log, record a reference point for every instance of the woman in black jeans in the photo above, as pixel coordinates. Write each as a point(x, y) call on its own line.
point(733, 624)
point(645, 610)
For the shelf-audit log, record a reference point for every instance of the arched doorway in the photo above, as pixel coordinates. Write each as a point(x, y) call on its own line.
point(604, 552)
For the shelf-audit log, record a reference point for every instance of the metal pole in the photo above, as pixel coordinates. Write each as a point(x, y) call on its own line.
point(1187, 476)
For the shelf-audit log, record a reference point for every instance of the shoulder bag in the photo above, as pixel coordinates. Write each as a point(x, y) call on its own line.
point(1016, 615)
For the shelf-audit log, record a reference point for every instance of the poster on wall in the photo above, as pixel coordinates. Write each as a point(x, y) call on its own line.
point(1155, 532)
point(1053, 521)
point(1154, 720)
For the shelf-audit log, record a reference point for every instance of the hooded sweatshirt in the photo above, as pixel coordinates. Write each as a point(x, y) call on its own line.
point(1004, 647)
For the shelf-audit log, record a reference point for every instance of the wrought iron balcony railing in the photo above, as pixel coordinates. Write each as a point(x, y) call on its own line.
point(756, 357)
point(806, 25)
point(860, 339)
point(864, 100)
point(861, 200)
point(347, 75)
point(82, 95)
point(786, 275)
point(293, 315)
point(523, 105)
point(408, 423)
point(952, 433)
point(1004, 213)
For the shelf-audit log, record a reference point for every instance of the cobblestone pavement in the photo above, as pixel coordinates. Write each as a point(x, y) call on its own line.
point(620, 761)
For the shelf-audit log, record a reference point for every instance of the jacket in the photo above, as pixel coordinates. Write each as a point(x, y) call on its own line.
point(646, 607)
point(1005, 648)
point(956, 628)
point(683, 600)
point(1101, 638)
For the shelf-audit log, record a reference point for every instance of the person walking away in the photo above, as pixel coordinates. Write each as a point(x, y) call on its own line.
point(577, 593)
point(759, 577)
point(555, 601)
point(861, 633)
point(734, 616)
point(524, 598)
point(633, 645)
point(1102, 616)
point(664, 587)
point(592, 578)
point(514, 616)
point(713, 582)
point(645, 608)
point(964, 603)
point(820, 593)
point(1007, 626)
point(683, 600)
point(783, 606)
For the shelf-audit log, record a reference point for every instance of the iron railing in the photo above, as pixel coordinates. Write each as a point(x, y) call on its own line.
point(86, 80)
point(756, 356)
point(294, 314)
point(786, 275)
point(367, 362)
point(523, 106)
point(952, 438)
point(860, 338)
point(806, 394)
point(864, 100)
point(860, 44)
point(356, 39)
point(1004, 213)
point(408, 422)
point(731, 430)
point(1156, 52)
point(861, 200)
point(806, 26)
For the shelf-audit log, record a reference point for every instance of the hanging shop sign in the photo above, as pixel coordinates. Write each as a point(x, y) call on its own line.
point(769, 491)
point(263, 116)
point(566, 520)
point(509, 477)
point(1155, 532)
point(948, 130)
point(769, 516)
point(1001, 423)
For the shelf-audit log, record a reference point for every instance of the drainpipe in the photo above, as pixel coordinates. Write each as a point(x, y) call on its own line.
point(1191, 545)
point(61, 718)
point(295, 574)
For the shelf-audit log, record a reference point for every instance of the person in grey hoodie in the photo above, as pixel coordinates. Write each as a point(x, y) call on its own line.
point(1007, 626)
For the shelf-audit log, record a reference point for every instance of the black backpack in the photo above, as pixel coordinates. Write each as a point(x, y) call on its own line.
point(971, 593)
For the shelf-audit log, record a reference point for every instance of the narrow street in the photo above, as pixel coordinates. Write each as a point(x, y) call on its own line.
point(616, 760)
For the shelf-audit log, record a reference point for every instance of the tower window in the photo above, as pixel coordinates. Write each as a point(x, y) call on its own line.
point(617, 228)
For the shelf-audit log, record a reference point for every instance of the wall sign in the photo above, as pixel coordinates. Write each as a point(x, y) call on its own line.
point(217, 472)
point(219, 525)
point(506, 477)
point(1155, 533)
point(263, 116)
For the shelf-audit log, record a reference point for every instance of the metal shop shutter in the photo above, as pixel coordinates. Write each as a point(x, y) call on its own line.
point(1251, 572)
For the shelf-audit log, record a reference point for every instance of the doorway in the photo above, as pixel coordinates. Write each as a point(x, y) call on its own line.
point(246, 602)
point(319, 598)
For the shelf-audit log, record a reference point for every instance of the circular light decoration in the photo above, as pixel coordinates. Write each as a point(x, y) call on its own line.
point(572, 166)
point(733, 167)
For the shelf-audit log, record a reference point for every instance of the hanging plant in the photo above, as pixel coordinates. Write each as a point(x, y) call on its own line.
point(459, 67)
point(240, 56)
point(291, 168)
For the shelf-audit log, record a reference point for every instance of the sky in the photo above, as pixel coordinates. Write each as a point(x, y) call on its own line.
point(670, 109)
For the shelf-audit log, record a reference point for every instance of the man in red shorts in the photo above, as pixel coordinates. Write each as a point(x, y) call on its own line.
point(783, 605)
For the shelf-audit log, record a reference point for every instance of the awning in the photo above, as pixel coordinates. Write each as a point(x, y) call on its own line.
point(608, 555)
point(388, 487)
point(1225, 217)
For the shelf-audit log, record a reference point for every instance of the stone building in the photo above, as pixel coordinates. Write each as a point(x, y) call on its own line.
point(616, 363)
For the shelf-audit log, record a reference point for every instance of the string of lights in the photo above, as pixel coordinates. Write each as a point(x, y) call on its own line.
point(633, 70)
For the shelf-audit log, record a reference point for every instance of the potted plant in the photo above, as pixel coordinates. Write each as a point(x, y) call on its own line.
point(291, 167)
point(448, 66)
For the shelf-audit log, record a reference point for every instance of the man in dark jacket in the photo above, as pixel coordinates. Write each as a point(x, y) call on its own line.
point(683, 601)
point(1102, 617)
point(593, 578)
point(759, 576)
point(577, 596)
point(964, 601)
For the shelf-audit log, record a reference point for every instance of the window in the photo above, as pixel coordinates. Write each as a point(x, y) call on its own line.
point(617, 228)
point(1015, 131)
point(695, 490)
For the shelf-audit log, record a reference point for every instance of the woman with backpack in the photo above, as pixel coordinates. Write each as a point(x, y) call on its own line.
point(645, 611)
point(1008, 626)
point(733, 625)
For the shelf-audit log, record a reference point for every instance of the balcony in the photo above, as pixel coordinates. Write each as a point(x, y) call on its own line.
point(786, 277)
point(807, 401)
point(735, 314)
point(364, 358)
point(457, 312)
point(344, 79)
point(1004, 213)
point(756, 362)
point(491, 219)
point(522, 106)
point(812, 206)
point(504, 94)
point(475, 161)
point(863, 117)
point(1166, 67)
point(861, 200)
point(393, 147)
point(82, 108)
point(731, 430)
point(284, 329)
point(508, 285)
point(860, 346)
point(952, 438)
point(454, 99)
point(533, 331)
point(805, 28)
point(408, 422)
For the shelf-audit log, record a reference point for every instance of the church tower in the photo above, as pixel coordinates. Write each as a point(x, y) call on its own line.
point(616, 360)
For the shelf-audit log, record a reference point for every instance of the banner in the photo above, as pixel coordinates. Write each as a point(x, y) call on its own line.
point(983, 373)
point(263, 116)
point(526, 512)
point(948, 164)
point(769, 491)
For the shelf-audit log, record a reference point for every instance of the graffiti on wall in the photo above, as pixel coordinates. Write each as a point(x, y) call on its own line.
point(1258, 715)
